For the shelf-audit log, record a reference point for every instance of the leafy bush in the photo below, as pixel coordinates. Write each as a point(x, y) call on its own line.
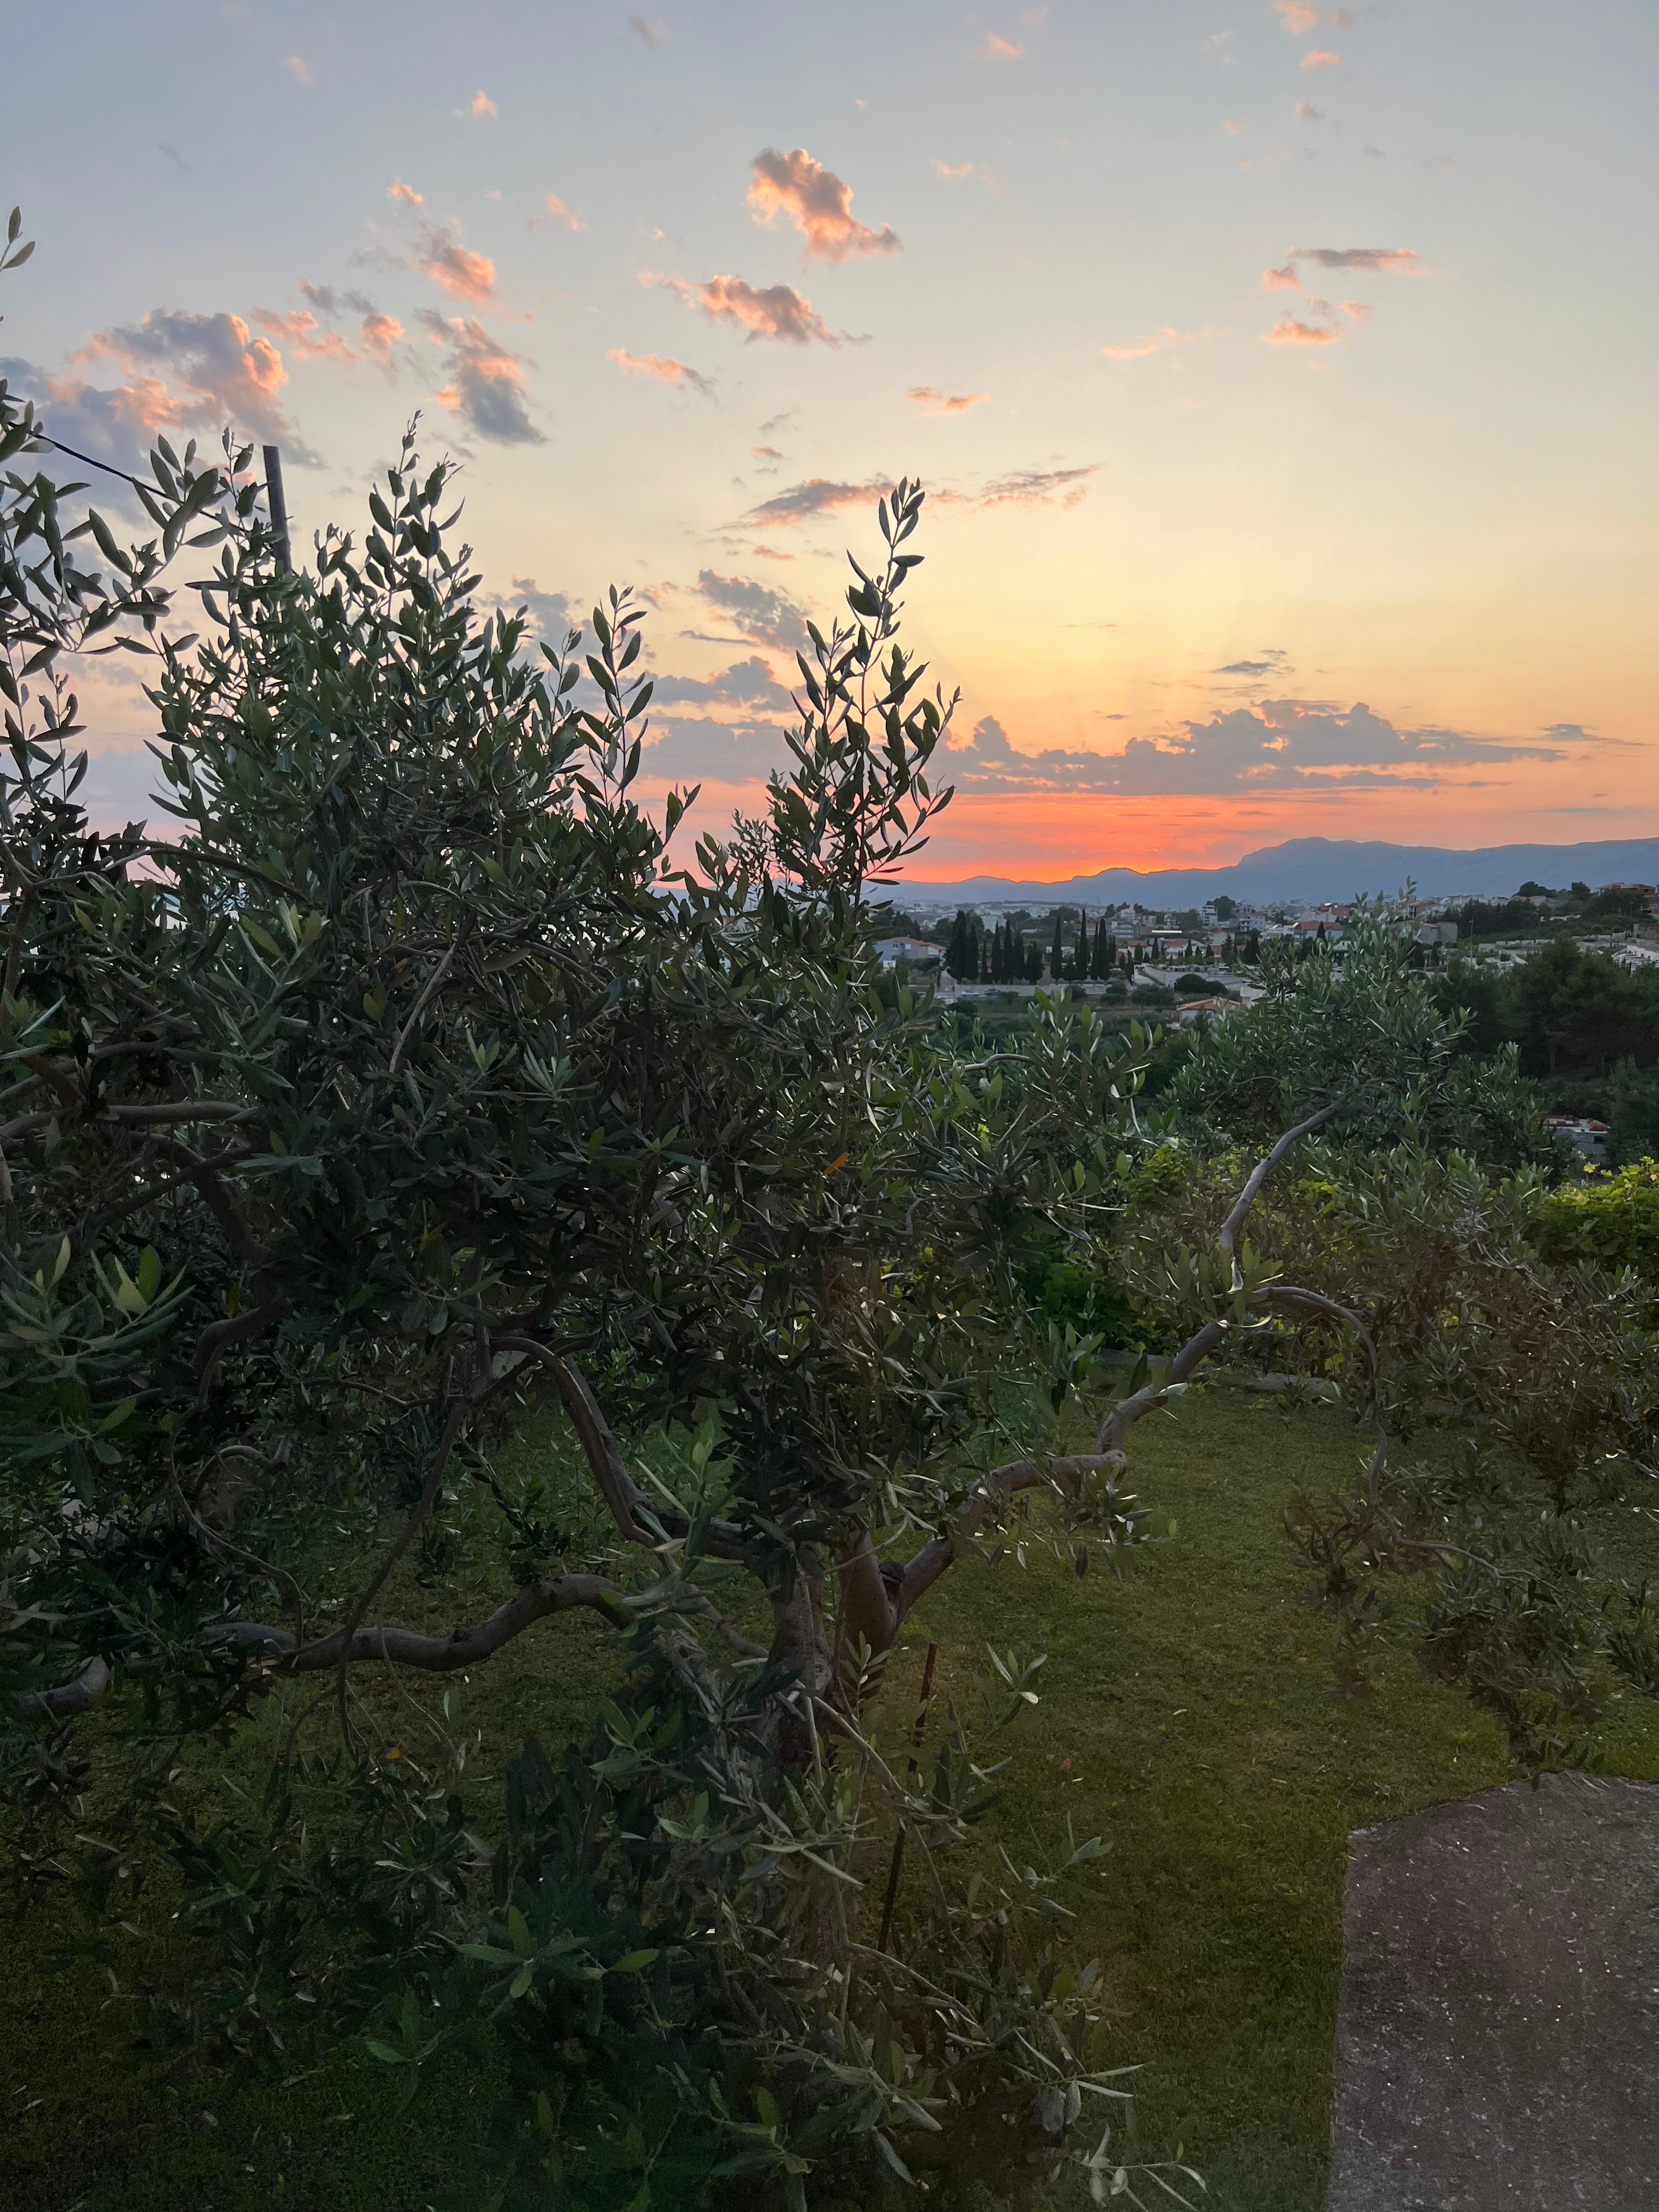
point(1608, 1221)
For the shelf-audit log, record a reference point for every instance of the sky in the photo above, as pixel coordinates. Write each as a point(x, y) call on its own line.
point(1282, 376)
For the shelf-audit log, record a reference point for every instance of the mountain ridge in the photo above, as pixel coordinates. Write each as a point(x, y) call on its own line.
point(1315, 869)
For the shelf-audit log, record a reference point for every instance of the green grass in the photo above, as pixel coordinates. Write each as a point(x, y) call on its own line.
point(1187, 1716)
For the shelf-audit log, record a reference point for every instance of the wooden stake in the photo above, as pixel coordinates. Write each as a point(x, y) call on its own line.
point(892, 1898)
point(278, 504)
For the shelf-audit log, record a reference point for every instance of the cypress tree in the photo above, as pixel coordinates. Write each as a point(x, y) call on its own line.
point(1056, 954)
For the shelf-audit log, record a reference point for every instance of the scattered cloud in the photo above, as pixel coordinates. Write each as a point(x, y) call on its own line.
point(1273, 661)
point(787, 420)
point(1399, 260)
point(1020, 487)
point(1319, 58)
point(1035, 488)
point(817, 202)
point(817, 496)
point(747, 683)
point(378, 332)
point(755, 610)
point(1291, 332)
point(116, 424)
point(308, 336)
point(660, 366)
point(482, 108)
point(1217, 47)
point(1307, 113)
point(486, 382)
point(1375, 152)
point(398, 190)
point(1232, 128)
point(173, 155)
point(694, 749)
point(775, 310)
point(300, 70)
point(998, 49)
point(1281, 280)
point(1297, 17)
point(952, 172)
point(455, 268)
point(1155, 341)
point(936, 403)
point(227, 373)
point(768, 454)
point(1275, 745)
point(551, 612)
point(1356, 311)
point(655, 33)
point(555, 211)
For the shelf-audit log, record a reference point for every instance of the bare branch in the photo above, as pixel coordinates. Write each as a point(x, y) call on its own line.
point(604, 1455)
point(90, 1681)
point(421, 1004)
point(346, 1636)
point(624, 1498)
point(176, 1109)
point(441, 1655)
point(1230, 1228)
point(940, 1554)
point(1147, 1400)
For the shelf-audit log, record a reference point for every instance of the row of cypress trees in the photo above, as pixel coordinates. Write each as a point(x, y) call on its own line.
point(1011, 956)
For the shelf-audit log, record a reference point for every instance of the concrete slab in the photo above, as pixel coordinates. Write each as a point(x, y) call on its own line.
point(1497, 2039)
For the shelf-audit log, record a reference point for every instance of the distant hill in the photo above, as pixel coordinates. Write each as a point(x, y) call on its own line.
point(1315, 869)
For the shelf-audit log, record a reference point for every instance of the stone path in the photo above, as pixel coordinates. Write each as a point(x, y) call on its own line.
point(1498, 2041)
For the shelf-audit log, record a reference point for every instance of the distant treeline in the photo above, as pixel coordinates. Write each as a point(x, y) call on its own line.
point(1513, 917)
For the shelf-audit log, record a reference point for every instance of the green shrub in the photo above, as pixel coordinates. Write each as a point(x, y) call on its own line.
point(1606, 1221)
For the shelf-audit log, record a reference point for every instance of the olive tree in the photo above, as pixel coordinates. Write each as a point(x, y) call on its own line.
point(403, 1082)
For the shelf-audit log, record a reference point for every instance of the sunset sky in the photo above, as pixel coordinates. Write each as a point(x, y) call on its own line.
point(1283, 375)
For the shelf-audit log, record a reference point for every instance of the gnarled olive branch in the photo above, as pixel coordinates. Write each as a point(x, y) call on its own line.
point(442, 1655)
point(624, 1498)
point(1205, 1338)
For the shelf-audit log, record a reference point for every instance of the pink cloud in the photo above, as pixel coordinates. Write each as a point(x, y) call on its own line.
point(486, 382)
point(140, 407)
point(556, 211)
point(398, 190)
point(455, 268)
point(1281, 280)
point(230, 371)
point(1317, 58)
point(1155, 343)
point(775, 310)
point(299, 70)
point(998, 49)
point(951, 171)
point(660, 366)
point(817, 202)
point(307, 336)
point(935, 403)
point(1356, 311)
point(481, 107)
point(1290, 332)
point(1307, 113)
point(1396, 260)
point(1297, 17)
point(315, 341)
point(380, 333)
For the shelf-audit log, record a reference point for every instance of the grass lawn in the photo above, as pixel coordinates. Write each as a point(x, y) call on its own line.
point(1187, 1716)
